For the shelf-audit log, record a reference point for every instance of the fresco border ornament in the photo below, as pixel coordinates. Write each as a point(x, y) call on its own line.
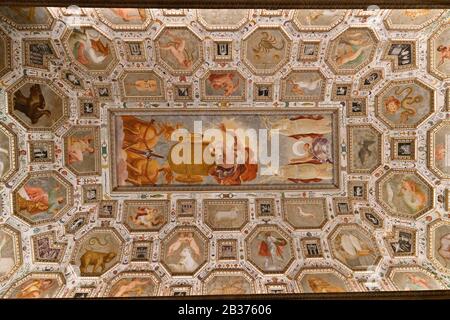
point(52, 244)
point(46, 58)
point(393, 59)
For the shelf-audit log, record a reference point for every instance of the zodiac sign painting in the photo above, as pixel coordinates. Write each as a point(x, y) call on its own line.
point(404, 193)
point(270, 249)
point(90, 49)
point(352, 50)
point(404, 103)
point(146, 157)
point(37, 285)
point(354, 247)
point(439, 50)
point(179, 49)
point(42, 197)
point(36, 104)
point(184, 251)
point(97, 251)
point(266, 50)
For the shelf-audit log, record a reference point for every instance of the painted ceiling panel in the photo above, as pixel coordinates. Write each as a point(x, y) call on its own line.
point(94, 202)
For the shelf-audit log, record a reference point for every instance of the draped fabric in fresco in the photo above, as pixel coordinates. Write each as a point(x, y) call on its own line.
point(92, 205)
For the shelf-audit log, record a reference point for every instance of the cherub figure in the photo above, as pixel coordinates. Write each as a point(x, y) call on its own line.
point(444, 53)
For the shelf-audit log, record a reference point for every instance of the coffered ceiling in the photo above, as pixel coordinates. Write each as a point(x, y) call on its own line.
point(95, 204)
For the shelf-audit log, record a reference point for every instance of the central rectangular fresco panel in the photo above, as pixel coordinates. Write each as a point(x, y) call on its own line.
point(144, 146)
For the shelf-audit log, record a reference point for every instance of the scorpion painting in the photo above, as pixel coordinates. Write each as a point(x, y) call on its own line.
point(148, 152)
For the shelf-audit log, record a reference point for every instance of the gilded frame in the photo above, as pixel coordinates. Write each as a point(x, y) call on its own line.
point(234, 111)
